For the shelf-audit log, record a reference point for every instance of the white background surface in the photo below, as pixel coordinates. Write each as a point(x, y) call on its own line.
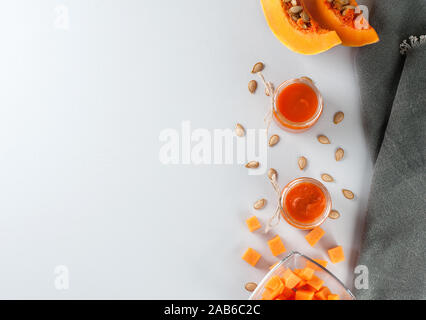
point(81, 183)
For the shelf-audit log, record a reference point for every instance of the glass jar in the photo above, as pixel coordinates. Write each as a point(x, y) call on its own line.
point(290, 217)
point(293, 126)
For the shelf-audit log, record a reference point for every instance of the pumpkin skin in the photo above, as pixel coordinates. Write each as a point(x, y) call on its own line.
point(301, 41)
point(327, 18)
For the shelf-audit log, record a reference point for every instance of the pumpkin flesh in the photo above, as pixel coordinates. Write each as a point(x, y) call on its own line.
point(350, 25)
point(299, 37)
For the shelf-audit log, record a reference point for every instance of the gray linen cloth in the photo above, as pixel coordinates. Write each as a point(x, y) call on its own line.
point(393, 97)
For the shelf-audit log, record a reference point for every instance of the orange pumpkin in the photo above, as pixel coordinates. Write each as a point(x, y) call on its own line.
point(345, 18)
point(297, 34)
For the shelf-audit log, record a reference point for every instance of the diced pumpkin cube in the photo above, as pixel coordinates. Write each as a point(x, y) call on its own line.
point(276, 246)
point(297, 271)
point(275, 285)
point(251, 256)
point(314, 236)
point(267, 294)
point(301, 284)
point(336, 254)
point(306, 273)
point(315, 282)
point(303, 294)
point(323, 263)
point(287, 294)
point(290, 279)
point(333, 297)
point(305, 287)
point(323, 293)
point(253, 223)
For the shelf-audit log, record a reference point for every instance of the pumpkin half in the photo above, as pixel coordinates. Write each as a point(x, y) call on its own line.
point(303, 36)
point(346, 18)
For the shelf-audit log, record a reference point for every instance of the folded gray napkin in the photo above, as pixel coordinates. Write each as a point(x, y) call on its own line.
point(393, 96)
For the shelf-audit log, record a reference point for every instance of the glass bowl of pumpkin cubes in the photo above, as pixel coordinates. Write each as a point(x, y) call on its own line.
point(298, 277)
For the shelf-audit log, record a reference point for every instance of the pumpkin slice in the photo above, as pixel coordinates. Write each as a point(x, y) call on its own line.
point(345, 18)
point(303, 36)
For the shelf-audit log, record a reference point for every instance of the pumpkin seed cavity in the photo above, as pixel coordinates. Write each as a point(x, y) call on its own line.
point(297, 13)
point(344, 7)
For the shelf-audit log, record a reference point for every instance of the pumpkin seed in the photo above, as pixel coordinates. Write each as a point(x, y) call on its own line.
point(326, 177)
point(258, 67)
point(348, 194)
point(272, 174)
point(323, 139)
point(342, 2)
point(259, 204)
point(302, 161)
point(334, 214)
point(273, 140)
point(305, 16)
point(252, 86)
point(295, 9)
point(337, 6)
point(344, 12)
point(294, 17)
point(294, 2)
point(338, 117)
point(252, 164)
point(349, 7)
point(250, 286)
point(239, 130)
point(339, 154)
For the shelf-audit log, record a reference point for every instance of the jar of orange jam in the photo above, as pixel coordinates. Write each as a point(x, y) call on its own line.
point(305, 203)
point(298, 104)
